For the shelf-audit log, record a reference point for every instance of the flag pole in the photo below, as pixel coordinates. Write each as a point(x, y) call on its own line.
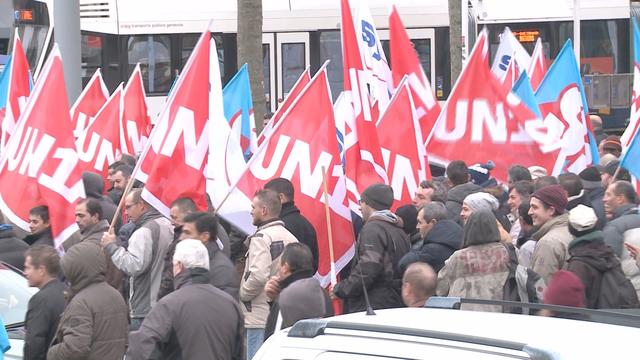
point(124, 194)
point(329, 232)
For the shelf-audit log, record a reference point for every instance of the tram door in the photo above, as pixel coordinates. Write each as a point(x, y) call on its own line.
point(285, 57)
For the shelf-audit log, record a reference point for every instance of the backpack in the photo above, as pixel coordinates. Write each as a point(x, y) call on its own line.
point(522, 285)
point(615, 291)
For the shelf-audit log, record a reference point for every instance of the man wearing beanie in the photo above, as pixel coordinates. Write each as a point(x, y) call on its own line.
point(547, 210)
point(593, 193)
point(590, 257)
point(381, 244)
point(564, 289)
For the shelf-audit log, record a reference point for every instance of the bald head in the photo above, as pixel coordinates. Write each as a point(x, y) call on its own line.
point(418, 284)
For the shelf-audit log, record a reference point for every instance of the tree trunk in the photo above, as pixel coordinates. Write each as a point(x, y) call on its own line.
point(250, 52)
point(455, 39)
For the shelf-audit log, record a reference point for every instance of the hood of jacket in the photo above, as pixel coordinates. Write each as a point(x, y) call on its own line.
point(447, 233)
point(624, 210)
point(591, 249)
point(387, 216)
point(148, 216)
point(459, 192)
point(481, 228)
point(93, 184)
point(84, 264)
point(558, 221)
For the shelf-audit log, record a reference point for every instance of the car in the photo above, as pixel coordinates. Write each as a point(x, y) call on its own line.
point(14, 301)
point(431, 333)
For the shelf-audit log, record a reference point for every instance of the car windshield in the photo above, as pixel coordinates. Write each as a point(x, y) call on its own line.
point(14, 297)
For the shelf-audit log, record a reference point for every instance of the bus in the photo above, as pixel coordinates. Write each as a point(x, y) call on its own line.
point(160, 34)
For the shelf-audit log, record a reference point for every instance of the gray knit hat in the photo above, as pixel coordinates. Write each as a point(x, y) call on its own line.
point(482, 201)
point(378, 196)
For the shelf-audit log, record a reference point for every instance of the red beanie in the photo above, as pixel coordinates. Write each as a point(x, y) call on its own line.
point(553, 195)
point(565, 289)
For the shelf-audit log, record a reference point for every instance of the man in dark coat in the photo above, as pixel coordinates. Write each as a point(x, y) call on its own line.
point(196, 321)
point(594, 193)
point(458, 175)
point(12, 248)
point(39, 227)
point(293, 220)
point(442, 237)
point(94, 323)
point(590, 257)
point(94, 187)
point(381, 244)
point(41, 268)
point(296, 294)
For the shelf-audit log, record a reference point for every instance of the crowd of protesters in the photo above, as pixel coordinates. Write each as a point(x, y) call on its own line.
point(193, 285)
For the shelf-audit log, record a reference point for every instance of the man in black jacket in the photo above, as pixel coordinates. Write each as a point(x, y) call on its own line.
point(39, 227)
point(381, 244)
point(197, 321)
point(293, 220)
point(458, 175)
point(442, 237)
point(41, 267)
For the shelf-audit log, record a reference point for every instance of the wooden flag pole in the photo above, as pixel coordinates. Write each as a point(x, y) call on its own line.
point(329, 232)
point(120, 204)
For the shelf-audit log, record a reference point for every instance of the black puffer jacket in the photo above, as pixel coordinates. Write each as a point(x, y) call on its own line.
point(439, 243)
point(11, 247)
point(43, 237)
point(456, 196)
point(381, 244)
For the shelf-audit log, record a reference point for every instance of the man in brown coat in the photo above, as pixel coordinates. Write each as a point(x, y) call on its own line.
point(94, 323)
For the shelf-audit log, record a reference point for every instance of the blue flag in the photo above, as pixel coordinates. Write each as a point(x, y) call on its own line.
point(563, 105)
point(631, 158)
point(4, 84)
point(523, 89)
point(238, 110)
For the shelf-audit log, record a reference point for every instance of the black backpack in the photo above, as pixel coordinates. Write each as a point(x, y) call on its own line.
point(615, 291)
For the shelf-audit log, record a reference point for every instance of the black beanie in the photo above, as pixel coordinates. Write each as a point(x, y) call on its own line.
point(378, 196)
point(590, 178)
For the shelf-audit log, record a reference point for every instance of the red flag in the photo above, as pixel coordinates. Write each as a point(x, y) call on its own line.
point(18, 91)
point(302, 81)
point(402, 146)
point(99, 144)
point(405, 62)
point(538, 68)
point(173, 165)
point(481, 121)
point(511, 75)
point(299, 148)
point(90, 101)
point(363, 159)
point(40, 165)
point(136, 123)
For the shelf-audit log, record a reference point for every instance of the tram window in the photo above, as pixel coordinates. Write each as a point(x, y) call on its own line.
point(91, 56)
point(293, 64)
point(189, 42)
point(33, 38)
point(604, 46)
point(266, 70)
point(153, 52)
point(331, 49)
point(423, 48)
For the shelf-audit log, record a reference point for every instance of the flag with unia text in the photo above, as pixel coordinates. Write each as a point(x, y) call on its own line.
point(538, 68)
point(40, 163)
point(300, 148)
point(172, 165)
point(509, 48)
point(364, 165)
point(99, 144)
point(17, 92)
point(238, 109)
point(91, 99)
point(563, 104)
point(402, 147)
point(135, 125)
point(406, 62)
point(373, 57)
point(302, 81)
point(481, 121)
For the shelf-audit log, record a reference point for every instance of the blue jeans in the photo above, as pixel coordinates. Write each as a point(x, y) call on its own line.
point(255, 338)
point(135, 324)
